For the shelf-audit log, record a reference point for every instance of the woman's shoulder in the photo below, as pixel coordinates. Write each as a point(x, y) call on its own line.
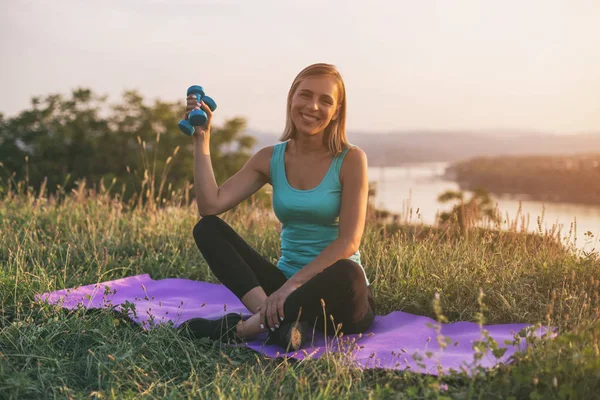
point(355, 154)
point(265, 153)
point(355, 162)
point(262, 158)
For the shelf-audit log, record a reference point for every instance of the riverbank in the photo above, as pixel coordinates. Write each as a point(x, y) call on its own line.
point(411, 192)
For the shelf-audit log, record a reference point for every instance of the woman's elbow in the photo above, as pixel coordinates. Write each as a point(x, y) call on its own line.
point(352, 246)
point(205, 211)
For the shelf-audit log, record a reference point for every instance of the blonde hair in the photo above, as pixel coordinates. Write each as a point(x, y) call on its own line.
point(335, 133)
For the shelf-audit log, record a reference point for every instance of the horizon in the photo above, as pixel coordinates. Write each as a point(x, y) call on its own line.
point(490, 132)
point(428, 66)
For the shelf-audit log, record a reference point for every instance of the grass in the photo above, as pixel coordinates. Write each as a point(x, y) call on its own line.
point(53, 242)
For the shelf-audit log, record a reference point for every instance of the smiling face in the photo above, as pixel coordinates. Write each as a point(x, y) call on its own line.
point(314, 104)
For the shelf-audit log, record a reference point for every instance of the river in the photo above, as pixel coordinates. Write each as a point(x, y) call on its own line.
point(411, 188)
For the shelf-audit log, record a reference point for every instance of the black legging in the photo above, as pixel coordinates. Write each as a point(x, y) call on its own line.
point(240, 268)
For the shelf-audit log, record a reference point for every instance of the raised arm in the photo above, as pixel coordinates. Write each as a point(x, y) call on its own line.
point(214, 200)
point(210, 198)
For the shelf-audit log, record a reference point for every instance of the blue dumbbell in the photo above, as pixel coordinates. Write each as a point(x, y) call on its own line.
point(196, 117)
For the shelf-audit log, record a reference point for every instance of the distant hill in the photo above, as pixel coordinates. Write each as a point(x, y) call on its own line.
point(397, 148)
point(546, 178)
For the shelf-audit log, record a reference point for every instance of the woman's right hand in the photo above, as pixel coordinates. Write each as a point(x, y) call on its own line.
point(192, 104)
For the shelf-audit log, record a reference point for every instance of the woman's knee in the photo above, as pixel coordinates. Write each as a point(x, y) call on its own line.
point(348, 271)
point(205, 228)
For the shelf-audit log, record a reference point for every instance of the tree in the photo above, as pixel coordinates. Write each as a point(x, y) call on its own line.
point(65, 139)
point(467, 213)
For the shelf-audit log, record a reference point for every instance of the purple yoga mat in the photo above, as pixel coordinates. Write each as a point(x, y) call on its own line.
point(398, 340)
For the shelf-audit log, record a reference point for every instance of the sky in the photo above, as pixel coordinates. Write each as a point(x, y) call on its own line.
point(471, 65)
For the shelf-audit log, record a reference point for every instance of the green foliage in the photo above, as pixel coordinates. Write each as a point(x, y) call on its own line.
point(62, 140)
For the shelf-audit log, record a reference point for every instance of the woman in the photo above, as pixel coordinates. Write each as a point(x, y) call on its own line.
point(320, 190)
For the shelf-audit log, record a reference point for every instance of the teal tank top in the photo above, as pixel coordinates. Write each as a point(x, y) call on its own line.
point(309, 218)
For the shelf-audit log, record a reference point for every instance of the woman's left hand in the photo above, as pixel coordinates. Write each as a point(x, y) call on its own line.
point(271, 311)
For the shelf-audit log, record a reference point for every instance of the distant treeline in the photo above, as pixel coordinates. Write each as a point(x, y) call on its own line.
point(135, 144)
point(572, 178)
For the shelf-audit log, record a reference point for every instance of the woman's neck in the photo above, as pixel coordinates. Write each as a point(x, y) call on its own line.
point(308, 145)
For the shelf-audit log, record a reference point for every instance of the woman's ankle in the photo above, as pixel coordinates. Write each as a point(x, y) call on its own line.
point(254, 298)
point(246, 330)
